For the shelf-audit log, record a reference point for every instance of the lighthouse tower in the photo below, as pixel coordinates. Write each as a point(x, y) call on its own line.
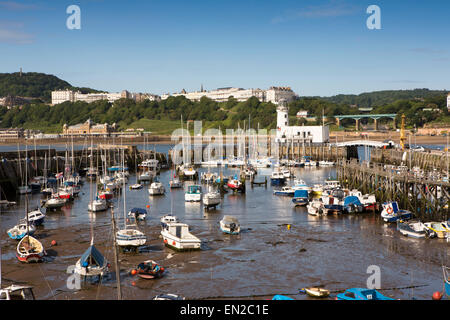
point(282, 115)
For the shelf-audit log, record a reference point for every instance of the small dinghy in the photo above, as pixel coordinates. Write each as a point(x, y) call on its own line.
point(19, 231)
point(149, 270)
point(136, 186)
point(316, 292)
point(230, 225)
point(414, 229)
point(439, 228)
point(30, 250)
point(138, 213)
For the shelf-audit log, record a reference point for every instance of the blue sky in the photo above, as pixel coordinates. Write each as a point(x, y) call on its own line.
point(318, 47)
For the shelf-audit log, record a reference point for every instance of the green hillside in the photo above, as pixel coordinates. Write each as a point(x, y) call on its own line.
point(33, 85)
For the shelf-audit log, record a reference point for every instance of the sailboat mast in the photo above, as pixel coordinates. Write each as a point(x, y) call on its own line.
point(116, 256)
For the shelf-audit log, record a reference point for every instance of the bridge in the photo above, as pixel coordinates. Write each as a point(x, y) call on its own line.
point(368, 143)
point(358, 117)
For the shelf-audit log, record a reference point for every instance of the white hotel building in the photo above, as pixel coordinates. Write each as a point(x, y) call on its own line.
point(61, 96)
point(273, 94)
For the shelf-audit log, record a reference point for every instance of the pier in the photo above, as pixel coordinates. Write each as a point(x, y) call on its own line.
point(428, 199)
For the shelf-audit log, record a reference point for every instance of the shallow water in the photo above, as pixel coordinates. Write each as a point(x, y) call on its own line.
point(265, 259)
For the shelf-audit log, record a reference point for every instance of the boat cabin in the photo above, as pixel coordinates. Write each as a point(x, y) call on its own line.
point(15, 292)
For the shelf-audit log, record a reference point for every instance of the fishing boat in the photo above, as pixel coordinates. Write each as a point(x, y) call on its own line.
point(391, 212)
point(308, 162)
point(353, 205)
point(211, 199)
point(332, 204)
point(92, 263)
point(277, 178)
point(138, 213)
point(316, 208)
point(301, 198)
point(98, 205)
point(188, 171)
point(149, 270)
point(326, 163)
point(439, 228)
point(317, 190)
point(106, 195)
point(156, 189)
point(361, 294)
point(369, 201)
point(236, 185)
point(316, 292)
point(36, 217)
point(20, 230)
point(175, 183)
point(145, 176)
point(301, 185)
point(169, 218)
point(193, 194)
point(285, 191)
point(414, 229)
point(230, 225)
point(30, 250)
point(177, 236)
point(332, 184)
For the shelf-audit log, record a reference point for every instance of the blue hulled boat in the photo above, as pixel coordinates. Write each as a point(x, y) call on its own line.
point(361, 294)
point(391, 212)
point(301, 198)
point(353, 205)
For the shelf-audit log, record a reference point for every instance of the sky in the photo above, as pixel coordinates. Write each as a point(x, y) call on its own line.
point(317, 47)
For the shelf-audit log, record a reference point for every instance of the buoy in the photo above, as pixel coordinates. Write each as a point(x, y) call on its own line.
point(148, 206)
point(437, 295)
point(133, 283)
point(53, 243)
point(289, 227)
point(133, 272)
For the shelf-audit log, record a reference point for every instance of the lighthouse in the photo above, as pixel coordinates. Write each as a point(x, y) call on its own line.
point(297, 134)
point(282, 115)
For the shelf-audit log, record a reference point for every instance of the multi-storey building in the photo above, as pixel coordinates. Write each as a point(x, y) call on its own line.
point(61, 96)
point(273, 94)
point(88, 128)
